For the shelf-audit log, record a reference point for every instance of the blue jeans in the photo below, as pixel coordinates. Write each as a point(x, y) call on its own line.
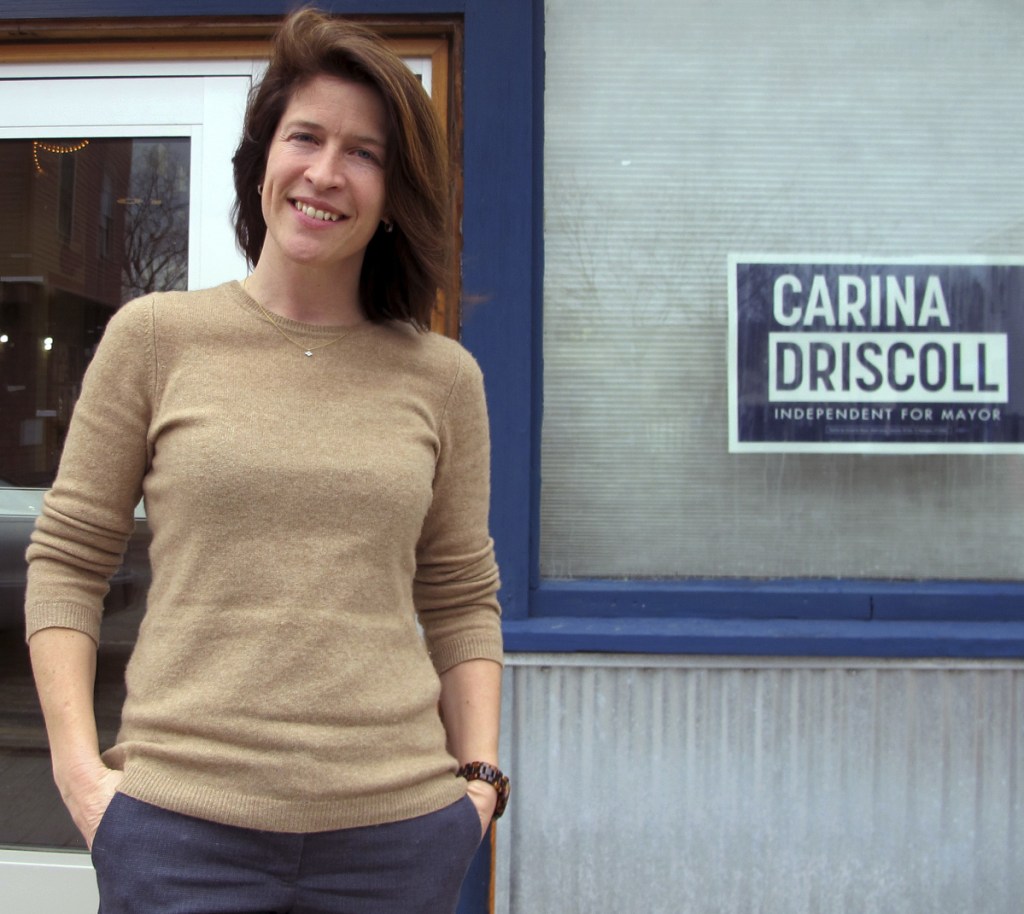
point(151, 861)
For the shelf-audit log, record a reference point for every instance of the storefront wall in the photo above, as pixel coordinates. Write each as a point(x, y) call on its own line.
point(676, 135)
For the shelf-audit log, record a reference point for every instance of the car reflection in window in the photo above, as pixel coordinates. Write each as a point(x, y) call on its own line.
point(19, 508)
point(31, 811)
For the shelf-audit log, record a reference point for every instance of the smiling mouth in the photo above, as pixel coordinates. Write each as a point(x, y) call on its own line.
point(315, 213)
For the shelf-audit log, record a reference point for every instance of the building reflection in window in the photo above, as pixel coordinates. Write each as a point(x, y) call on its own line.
point(85, 225)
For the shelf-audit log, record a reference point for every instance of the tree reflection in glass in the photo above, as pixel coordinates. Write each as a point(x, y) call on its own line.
point(156, 218)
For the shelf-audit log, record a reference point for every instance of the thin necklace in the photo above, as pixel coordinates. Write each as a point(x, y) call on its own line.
point(306, 350)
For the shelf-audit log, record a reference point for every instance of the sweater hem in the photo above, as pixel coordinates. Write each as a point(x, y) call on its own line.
point(296, 817)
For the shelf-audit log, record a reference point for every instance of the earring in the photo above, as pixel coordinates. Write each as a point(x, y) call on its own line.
point(259, 189)
point(389, 227)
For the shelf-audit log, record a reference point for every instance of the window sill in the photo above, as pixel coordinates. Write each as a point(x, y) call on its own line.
point(768, 637)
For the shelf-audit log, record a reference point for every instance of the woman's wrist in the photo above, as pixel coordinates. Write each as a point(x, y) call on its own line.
point(72, 773)
point(492, 775)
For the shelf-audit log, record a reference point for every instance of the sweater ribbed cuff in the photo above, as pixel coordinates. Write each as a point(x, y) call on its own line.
point(478, 647)
point(62, 615)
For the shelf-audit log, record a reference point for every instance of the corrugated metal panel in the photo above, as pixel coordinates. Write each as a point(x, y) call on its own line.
point(778, 787)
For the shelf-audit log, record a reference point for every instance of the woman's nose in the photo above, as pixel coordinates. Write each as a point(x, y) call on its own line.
point(325, 171)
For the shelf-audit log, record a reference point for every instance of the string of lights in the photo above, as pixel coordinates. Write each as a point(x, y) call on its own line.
point(56, 149)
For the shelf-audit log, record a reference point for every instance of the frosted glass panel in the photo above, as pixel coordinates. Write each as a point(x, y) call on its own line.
point(679, 131)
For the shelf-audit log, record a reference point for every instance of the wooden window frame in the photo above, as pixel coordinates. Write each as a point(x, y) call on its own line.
point(28, 41)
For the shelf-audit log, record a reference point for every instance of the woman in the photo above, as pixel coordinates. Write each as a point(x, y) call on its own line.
point(315, 469)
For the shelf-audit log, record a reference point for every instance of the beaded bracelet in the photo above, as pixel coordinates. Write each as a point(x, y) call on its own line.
point(482, 771)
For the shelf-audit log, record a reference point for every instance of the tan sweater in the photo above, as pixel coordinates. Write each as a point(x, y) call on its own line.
point(304, 513)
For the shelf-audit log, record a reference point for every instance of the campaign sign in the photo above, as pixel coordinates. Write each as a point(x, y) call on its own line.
point(845, 354)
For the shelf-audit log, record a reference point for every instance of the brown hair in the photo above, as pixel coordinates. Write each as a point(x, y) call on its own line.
point(402, 269)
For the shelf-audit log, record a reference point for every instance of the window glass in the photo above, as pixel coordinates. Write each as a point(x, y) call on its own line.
point(677, 133)
point(87, 224)
point(76, 240)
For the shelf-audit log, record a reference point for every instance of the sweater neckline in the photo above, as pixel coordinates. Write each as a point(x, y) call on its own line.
point(312, 331)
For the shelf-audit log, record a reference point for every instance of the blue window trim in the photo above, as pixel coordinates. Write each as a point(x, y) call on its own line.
point(835, 618)
point(769, 637)
point(502, 275)
point(825, 599)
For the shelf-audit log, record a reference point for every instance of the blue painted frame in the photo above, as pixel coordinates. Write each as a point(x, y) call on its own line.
point(834, 618)
point(502, 275)
point(798, 598)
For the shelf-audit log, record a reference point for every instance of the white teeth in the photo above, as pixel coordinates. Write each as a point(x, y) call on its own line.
point(315, 213)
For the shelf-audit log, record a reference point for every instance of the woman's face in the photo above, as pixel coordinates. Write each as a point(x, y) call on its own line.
point(323, 188)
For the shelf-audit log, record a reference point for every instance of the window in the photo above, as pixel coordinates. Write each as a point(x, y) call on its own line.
point(638, 150)
point(122, 191)
point(676, 134)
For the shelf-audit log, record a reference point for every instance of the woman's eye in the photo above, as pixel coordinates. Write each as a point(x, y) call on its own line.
point(303, 137)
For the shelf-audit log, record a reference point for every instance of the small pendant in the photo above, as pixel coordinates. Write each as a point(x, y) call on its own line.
point(309, 352)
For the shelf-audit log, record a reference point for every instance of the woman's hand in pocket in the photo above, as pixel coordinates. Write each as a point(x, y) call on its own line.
point(485, 799)
point(87, 791)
